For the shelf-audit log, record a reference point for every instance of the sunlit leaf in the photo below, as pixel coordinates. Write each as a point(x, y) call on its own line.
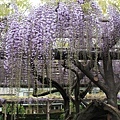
point(103, 5)
point(86, 6)
point(6, 7)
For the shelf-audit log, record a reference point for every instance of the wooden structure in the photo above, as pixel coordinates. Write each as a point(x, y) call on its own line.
point(31, 106)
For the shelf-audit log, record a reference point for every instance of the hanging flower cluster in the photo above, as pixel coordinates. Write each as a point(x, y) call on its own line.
point(36, 34)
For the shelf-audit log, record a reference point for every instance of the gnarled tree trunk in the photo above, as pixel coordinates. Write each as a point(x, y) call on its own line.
point(98, 110)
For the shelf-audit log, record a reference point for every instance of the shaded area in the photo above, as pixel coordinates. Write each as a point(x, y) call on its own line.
point(98, 110)
point(53, 116)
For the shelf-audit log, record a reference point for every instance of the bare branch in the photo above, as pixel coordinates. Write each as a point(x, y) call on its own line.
point(54, 84)
point(117, 76)
point(73, 70)
point(117, 86)
point(101, 71)
point(83, 93)
point(108, 70)
point(87, 72)
point(45, 93)
point(78, 75)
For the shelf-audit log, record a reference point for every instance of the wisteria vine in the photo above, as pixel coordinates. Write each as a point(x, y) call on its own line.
point(35, 34)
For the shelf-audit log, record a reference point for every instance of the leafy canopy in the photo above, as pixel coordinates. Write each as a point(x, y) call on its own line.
point(103, 4)
point(8, 6)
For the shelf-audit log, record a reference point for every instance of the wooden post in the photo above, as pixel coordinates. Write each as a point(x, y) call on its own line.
point(17, 112)
point(5, 115)
point(48, 110)
point(12, 114)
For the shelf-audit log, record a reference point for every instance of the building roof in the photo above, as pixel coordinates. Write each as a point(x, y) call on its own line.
point(27, 100)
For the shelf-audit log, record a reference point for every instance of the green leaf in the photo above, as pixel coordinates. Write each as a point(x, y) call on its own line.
point(103, 4)
point(6, 9)
point(86, 7)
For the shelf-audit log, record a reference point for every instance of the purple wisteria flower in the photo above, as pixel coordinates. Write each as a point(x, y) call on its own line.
point(36, 34)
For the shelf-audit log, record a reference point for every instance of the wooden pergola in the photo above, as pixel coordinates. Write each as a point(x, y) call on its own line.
point(28, 100)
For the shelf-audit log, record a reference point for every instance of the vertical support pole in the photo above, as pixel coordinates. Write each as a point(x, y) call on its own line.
point(5, 114)
point(17, 112)
point(48, 110)
point(12, 114)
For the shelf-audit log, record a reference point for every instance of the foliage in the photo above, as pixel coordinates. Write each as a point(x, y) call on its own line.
point(8, 7)
point(4, 9)
point(62, 116)
point(104, 4)
point(12, 109)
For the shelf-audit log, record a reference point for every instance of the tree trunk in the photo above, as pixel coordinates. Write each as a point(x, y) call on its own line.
point(92, 111)
point(111, 92)
point(112, 98)
point(98, 110)
point(76, 97)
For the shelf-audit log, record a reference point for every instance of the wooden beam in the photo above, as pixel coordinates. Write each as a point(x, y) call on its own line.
point(48, 110)
point(84, 54)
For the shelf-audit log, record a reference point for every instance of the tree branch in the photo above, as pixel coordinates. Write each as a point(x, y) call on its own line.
point(45, 93)
point(83, 94)
point(95, 80)
point(79, 76)
point(54, 84)
point(108, 70)
point(117, 86)
point(117, 76)
point(101, 71)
